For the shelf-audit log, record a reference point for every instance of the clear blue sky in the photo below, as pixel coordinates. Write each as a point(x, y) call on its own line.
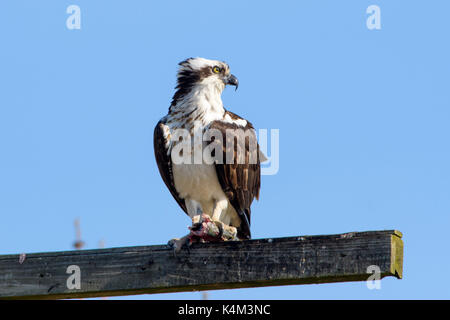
point(363, 118)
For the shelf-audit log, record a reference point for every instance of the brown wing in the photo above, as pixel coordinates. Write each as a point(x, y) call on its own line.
point(165, 163)
point(240, 181)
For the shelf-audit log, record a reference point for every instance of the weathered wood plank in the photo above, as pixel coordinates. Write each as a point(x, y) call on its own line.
point(155, 269)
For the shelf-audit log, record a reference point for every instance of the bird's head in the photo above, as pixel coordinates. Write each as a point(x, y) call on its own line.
point(200, 72)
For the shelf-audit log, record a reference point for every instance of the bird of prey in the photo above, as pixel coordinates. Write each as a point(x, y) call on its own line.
point(216, 195)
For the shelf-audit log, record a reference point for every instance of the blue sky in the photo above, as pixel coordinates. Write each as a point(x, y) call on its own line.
point(363, 118)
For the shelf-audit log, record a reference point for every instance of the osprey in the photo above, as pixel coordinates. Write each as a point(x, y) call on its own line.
point(217, 194)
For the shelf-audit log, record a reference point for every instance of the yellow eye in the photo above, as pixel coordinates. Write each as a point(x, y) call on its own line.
point(216, 69)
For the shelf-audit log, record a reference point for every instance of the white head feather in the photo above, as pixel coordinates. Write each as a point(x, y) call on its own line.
point(199, 92)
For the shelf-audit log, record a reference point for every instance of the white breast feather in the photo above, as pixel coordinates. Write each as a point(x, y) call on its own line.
point(199, 182)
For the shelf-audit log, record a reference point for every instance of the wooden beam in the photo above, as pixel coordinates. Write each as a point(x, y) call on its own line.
point(155, 269)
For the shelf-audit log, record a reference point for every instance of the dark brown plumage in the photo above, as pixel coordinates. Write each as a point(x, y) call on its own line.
point(240, 182)
point(165, 163)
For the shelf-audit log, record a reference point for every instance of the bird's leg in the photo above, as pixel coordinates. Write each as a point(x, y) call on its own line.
point(227, 232)
point(197, 220)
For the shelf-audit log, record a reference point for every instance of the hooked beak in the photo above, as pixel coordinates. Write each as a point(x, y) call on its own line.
point(232, 80)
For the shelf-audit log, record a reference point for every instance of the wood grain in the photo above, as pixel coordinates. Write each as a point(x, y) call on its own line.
point(226, 265)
